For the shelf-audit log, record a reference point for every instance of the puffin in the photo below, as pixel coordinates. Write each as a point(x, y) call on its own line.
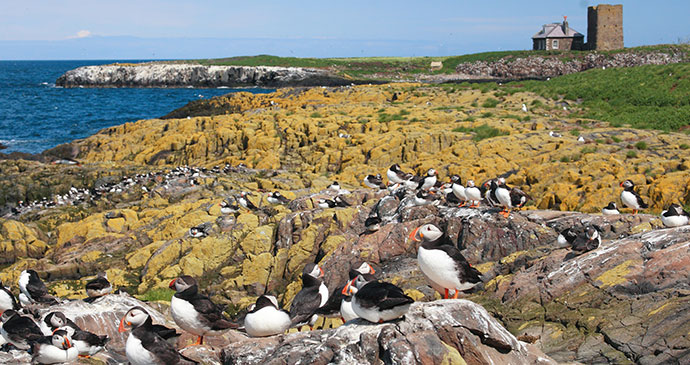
point(19, 330)
point(277, 198)
point(144, 345)
point(194, 312)
point(137, 316)
point(428, 181)
point(567, 236)
point(423, 198)
point(587, 241)
point(458, 189)
point(99, 286)
point(372, 223)
point(631, 198)
point(397, 176)
point(244, 201)
point(374, 182)
point(34, 289)
point(325, 203)
point(265, 318)
point(314, 295)
point(7, 299)
point(198, 231)
point(509, 198)
point(340, 202)
point(473, 194)
point(228, 207)
point(335, 186)
point(489, 192)
point(340, 303)
point(377, 301)
point(442, 263)
point(674, 216)
point(86, 343)
point(54, 349)
point(610, 209)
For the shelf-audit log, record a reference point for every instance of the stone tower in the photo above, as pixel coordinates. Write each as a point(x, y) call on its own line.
point(605, 27)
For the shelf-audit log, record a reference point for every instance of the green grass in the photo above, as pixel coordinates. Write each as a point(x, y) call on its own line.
point(684, 146)
point(490, 103)
point(575, 132)
point(481, 132)
point(161, 294)
point(647, 97)
point(641, 145)
point(631, 154)
point(315, 115)
point(385, 117)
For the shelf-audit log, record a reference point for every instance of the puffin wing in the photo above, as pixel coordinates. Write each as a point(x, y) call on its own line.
point(161, 349)
point(332, 306)
point(90, 338)
point(640, 202)
point(382, 295)
point(98, 284)
point(517, 196)
point(165, 332)
point(465, 270)
point(210, 313)
point(304, 305)
point(20, 327)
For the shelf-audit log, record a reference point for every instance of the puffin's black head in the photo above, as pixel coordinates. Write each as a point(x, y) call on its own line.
point(675, 209)
point(361, 268)
point(627, 185)
point(455, 179)
point(56, 319)
point(61, 339)
point(7, 315)
point(313, 270)
point(183, 283)
point(395, 167)
point(264, 301)
point(611, 206)
point(431, 172)
point(134, 318)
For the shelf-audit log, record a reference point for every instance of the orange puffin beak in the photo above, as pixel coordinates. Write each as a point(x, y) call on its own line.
point(66, 343)
point(346, 288)
point(414, 233)
point(172, 284)
point(371, 268)
point(322, 274)
point(122, 325)
point(621, 184)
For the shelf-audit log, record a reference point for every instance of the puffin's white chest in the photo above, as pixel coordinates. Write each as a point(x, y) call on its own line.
point(267, 321)
point(375, 315)
point(5, 301)
point(473, 193)
point(23, 282)
point(674, 220)
point(137, 354)
point(323, 291)
point(429, 182)
point(503, 196)
point(49, 354)
point(392, 176)
point(346, 310)
point(438, 268)
point(459, 192)
point(629, 199)
point(609, 211)
point(186, 316)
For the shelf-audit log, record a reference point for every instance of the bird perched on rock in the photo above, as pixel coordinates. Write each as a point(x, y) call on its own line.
point(397, 176)
point(580, 239)
point(610, 209)
point(229, 207)
point(194, 312)
point(427, 182)
point(18, 330)
point(372, 223)
point(524, 108)
point(674, 216)
point(377, 301)
point(144, 345)
point(199, 231)
point(509, 198)
point(335, 186)
point(441, 262)
point(631, 198)
point(473, 194)
point(265, 318)
point(99, 286)
point(458, 189)
point(244, 201)
point(33, 289)
point(54, 349)
point(341, 304)
point(340, 202)
point(137, 316)
point(277, 198)
point(423, 198)
point(87, 343)
point(314, 295)
point(374, 181)
point(7, 299)
point(325, 203)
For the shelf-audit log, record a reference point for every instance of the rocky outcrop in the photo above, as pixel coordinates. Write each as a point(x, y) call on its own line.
point(183, 75)
point(440, 332)
point(545, 66)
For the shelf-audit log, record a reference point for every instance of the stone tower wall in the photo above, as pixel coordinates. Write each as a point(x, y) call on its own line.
point(605, 27)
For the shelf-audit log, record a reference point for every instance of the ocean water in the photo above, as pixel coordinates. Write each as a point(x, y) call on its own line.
point(35, 115)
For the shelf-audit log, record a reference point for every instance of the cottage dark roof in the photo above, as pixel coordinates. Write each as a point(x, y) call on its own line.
point(555, 30)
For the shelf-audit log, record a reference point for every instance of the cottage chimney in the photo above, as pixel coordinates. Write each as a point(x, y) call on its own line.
point(565, 25)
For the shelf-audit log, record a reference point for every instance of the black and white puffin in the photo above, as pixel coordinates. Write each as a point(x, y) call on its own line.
point(7, 299)
point(87, 343)
point(377, 301)
point(442, 263)
point(244, 201)
point(610, 209)
point(99, 286)
point(266, 318)
point(428, 181)
point(312, 296)
point(567, 236)
point(458, 189)
point(19, 330)
point(228, 207)
point(137, 316)
point(374, 182)
point(423, 198)
point(509, 198)
point(340, 202)
point(194, 312)
point(277, 198)
point(587, 241)
point(674, 216)
point(372, 223)
point(56, 348)
point(144, 345)
point(488, 190)
point(198, 231)
point(397, 176)
point(325, 203)
point(473, 194)
point(340, 302)
point(34, 289)
point(631, 198)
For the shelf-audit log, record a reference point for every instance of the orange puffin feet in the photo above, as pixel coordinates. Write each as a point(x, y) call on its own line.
point(199, 341)
point(504, 213)
point(446, 295)
point(455, 296)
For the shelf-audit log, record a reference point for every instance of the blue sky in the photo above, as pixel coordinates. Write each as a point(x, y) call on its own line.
point(126, 29)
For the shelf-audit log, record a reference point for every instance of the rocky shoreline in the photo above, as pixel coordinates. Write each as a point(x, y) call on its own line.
point(187, 75)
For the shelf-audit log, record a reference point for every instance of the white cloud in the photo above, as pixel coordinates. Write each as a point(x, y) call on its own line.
point(82, 34)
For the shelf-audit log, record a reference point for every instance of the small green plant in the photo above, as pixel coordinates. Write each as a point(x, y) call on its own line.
point(615, 139)
point(474, 104)
point(154, 295)
point(641, 145)
point(481, 132)
point(575, 132)
point(315, 115)
point(490, 103)
point(487, 115)
point(537, 102)
point(586, 150)
point(526, 118)
point(599, 141)
point(631, 154)
point(565, 159)
point(470, 119)
point(684, 146)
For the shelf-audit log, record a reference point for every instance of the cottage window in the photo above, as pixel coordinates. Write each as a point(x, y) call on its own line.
point(554, 44)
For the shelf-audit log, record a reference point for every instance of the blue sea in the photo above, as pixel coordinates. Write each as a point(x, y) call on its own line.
point(35, 115)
